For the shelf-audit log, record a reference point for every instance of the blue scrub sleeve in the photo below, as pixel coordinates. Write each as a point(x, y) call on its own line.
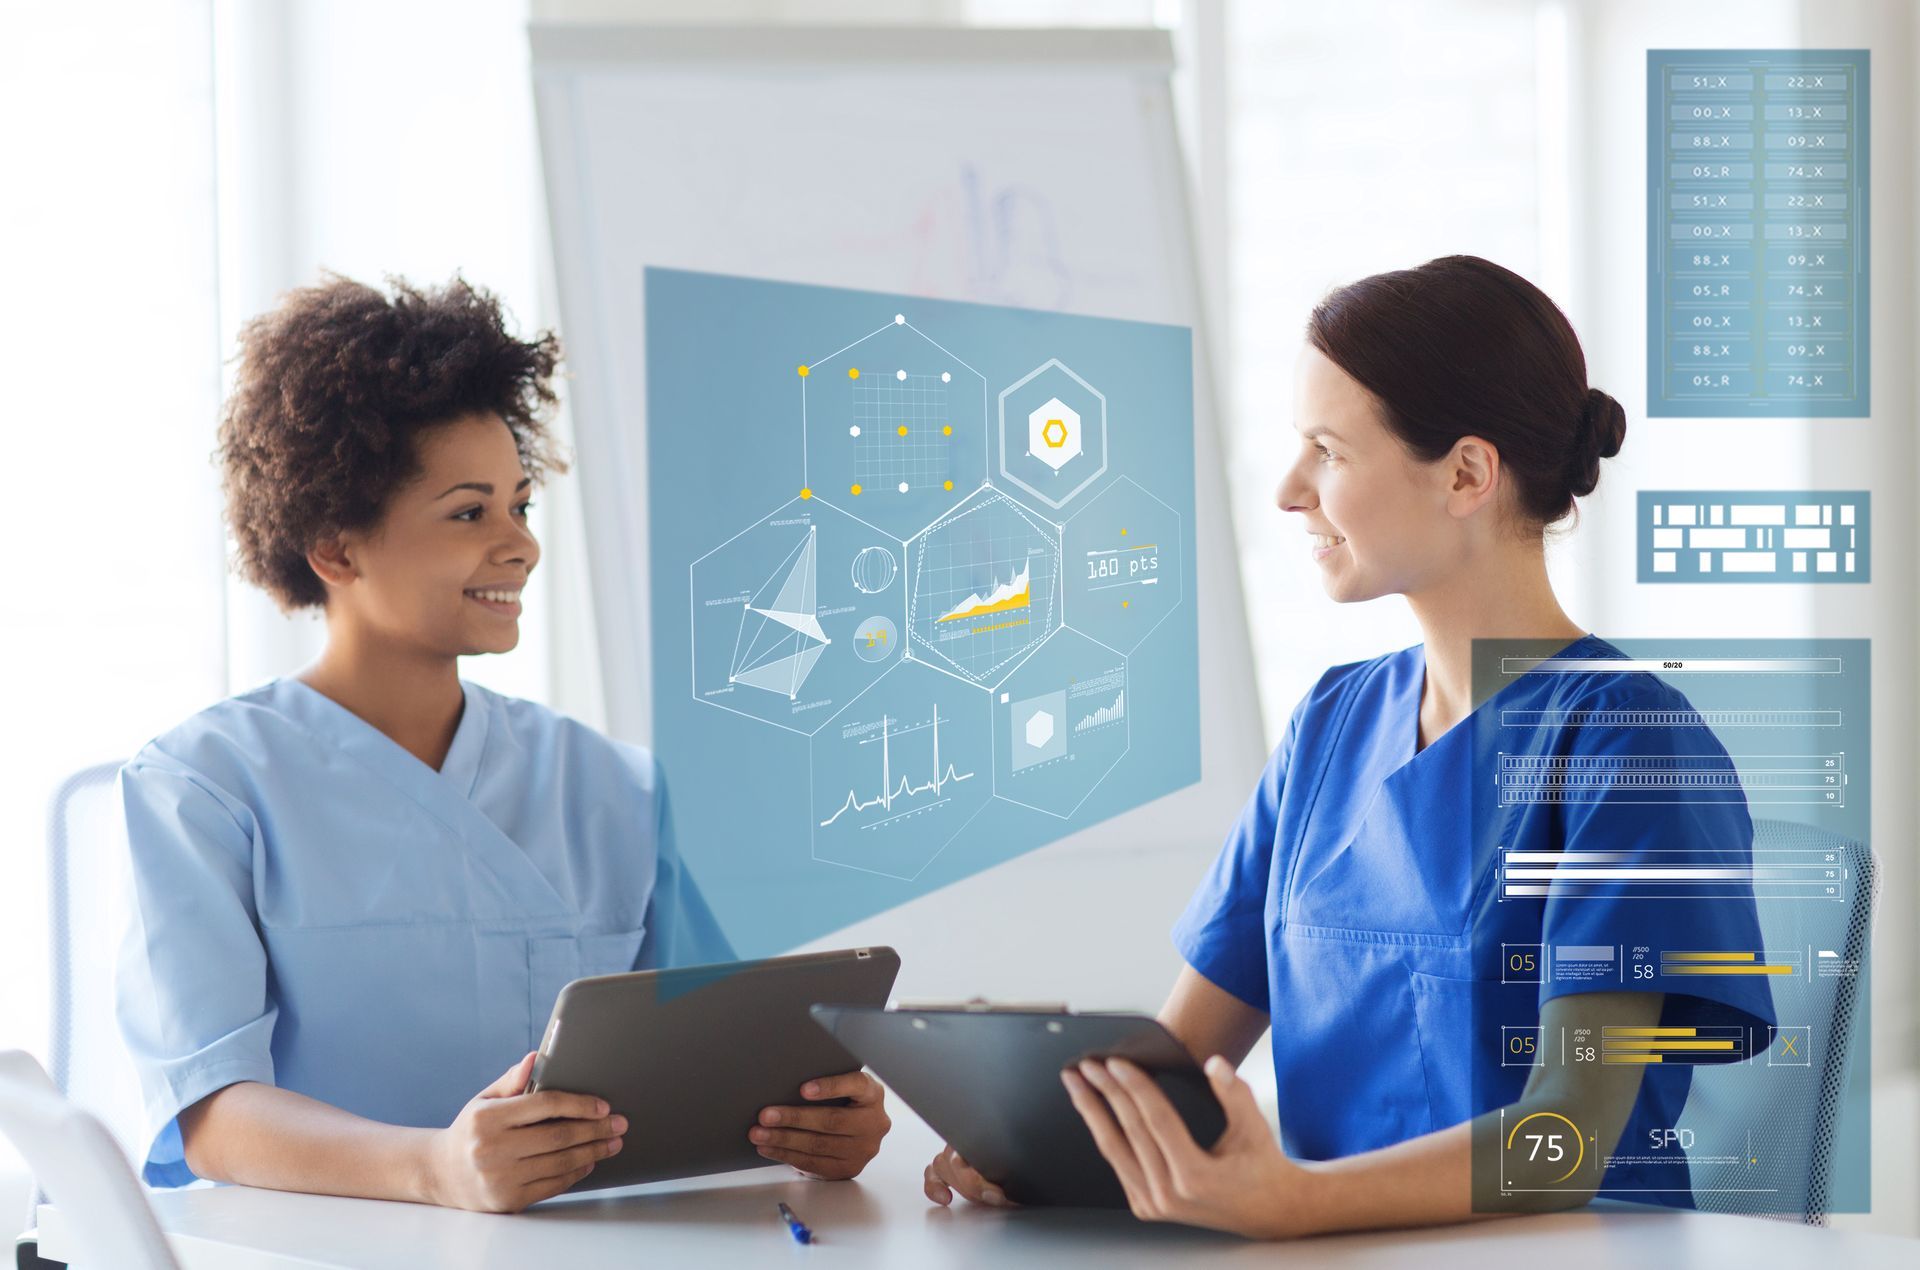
point(681, 928)
point(1722, 828)
point(1223, 932)
point(193, 999)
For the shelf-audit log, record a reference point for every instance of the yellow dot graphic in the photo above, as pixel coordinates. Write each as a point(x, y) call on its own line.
point(853, 372)
point(903, 429)
point(949, 484)
point(802, 370)
point(1123, 533)
point(805, 492)
point(1123, 604)
point(856, 487)
point(947, 431)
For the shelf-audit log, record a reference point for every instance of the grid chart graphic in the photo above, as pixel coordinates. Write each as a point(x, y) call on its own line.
point(904, 440)
point(1757, 186)
point(1754, 536)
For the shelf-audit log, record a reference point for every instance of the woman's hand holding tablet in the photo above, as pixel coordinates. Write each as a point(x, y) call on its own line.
point(829, 1143)
point(508, 1148)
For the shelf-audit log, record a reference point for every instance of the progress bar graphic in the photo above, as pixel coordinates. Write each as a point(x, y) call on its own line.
point(1621, 1044)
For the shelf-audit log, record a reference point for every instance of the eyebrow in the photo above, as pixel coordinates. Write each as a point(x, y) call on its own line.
point(483, 487)
point(1317, 431)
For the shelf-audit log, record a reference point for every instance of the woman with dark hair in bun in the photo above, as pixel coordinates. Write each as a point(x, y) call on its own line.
point(1445, 424)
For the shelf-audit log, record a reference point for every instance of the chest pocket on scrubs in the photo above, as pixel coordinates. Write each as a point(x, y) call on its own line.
point(554, 961)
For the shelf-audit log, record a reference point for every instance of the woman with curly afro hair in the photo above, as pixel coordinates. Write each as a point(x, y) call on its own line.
point(359, 889)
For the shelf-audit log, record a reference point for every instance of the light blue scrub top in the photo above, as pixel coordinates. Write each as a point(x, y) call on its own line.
point(317, 909)
point(1355, 903)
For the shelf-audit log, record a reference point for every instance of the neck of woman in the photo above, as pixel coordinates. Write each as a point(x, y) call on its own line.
point(1501, 592)
point(411, 694)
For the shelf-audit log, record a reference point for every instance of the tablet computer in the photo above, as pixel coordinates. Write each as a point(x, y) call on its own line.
point(988, 1081)
point(690, 1056)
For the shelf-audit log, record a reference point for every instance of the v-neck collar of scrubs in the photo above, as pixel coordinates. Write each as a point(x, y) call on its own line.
point(1415, 682)
point(446, 794)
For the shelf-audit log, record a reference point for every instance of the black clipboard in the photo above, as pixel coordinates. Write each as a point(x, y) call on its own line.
point(988, 1081)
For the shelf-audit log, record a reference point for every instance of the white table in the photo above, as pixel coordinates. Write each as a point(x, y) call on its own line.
point(883, 1220)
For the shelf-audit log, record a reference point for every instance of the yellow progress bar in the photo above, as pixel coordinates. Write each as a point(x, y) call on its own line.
point(1669, 1045)
point(1648, 1031)
point(1629, 1058)
point(1726, 970)
point(1709, 956)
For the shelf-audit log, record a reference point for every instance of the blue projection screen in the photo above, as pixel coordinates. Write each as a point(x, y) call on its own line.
point(922, 595)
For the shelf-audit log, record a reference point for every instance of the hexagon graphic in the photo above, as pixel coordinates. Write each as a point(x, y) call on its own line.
point(777, 615)
point(983, 586)
point(1039, 728)
point(1053, 433)
point(900, 772)
point(895, 426)
point(1122, 565)
point(1060, 724)
point(1064, 449)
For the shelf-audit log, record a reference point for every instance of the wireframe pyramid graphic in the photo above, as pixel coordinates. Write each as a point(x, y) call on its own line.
point(780, 637)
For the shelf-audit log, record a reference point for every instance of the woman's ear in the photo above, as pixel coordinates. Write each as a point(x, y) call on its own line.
point(331, 560)
point(1473, 473)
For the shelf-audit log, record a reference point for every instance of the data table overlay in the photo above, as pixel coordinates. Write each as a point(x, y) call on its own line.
point(1757, 233)
point(1697, 535)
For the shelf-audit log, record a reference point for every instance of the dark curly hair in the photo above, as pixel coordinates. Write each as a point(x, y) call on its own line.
point(336, 385)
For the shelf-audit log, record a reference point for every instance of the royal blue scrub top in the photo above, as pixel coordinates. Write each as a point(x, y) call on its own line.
point(317, 909)
point(1356, 903)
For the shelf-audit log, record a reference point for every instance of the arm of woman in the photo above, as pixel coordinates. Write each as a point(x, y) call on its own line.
point(1246, 1183)
point(506, 1149)
point(1208, 1019)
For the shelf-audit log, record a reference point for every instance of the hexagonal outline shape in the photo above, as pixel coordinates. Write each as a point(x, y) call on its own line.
point(693, 683)
point(1105, 449)
point(1126, 662)
point(1018, 659)
point(813, 846)
point(1055, 406)
point(1179, 547)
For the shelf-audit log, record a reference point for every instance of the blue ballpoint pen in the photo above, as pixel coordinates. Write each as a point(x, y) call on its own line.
point(801, 1235)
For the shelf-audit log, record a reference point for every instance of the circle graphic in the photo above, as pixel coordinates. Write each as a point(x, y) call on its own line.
point(875, 639)
point(874, 569)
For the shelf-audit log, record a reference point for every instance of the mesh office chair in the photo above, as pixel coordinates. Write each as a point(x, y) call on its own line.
point(1794, 1123)
point(87, 911)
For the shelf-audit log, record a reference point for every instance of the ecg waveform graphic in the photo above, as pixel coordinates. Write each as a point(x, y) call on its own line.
point(905, 790)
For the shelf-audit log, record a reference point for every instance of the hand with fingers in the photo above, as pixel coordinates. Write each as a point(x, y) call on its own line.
point(508, 1148)
point(1244, 1184)
point(950, 1174)
point(832, 1143)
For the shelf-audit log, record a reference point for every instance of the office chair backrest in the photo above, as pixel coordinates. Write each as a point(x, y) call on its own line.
point(1787, 1098)
point(88, 899)
point(81, 1168)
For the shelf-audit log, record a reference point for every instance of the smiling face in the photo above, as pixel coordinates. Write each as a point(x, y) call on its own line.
point(1381, 521)
point(442, 571)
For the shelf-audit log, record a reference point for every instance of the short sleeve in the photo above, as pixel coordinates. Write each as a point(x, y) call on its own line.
point(193, 1000)
point(1223, 932)
point(681, 928)
point(1713, 828)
